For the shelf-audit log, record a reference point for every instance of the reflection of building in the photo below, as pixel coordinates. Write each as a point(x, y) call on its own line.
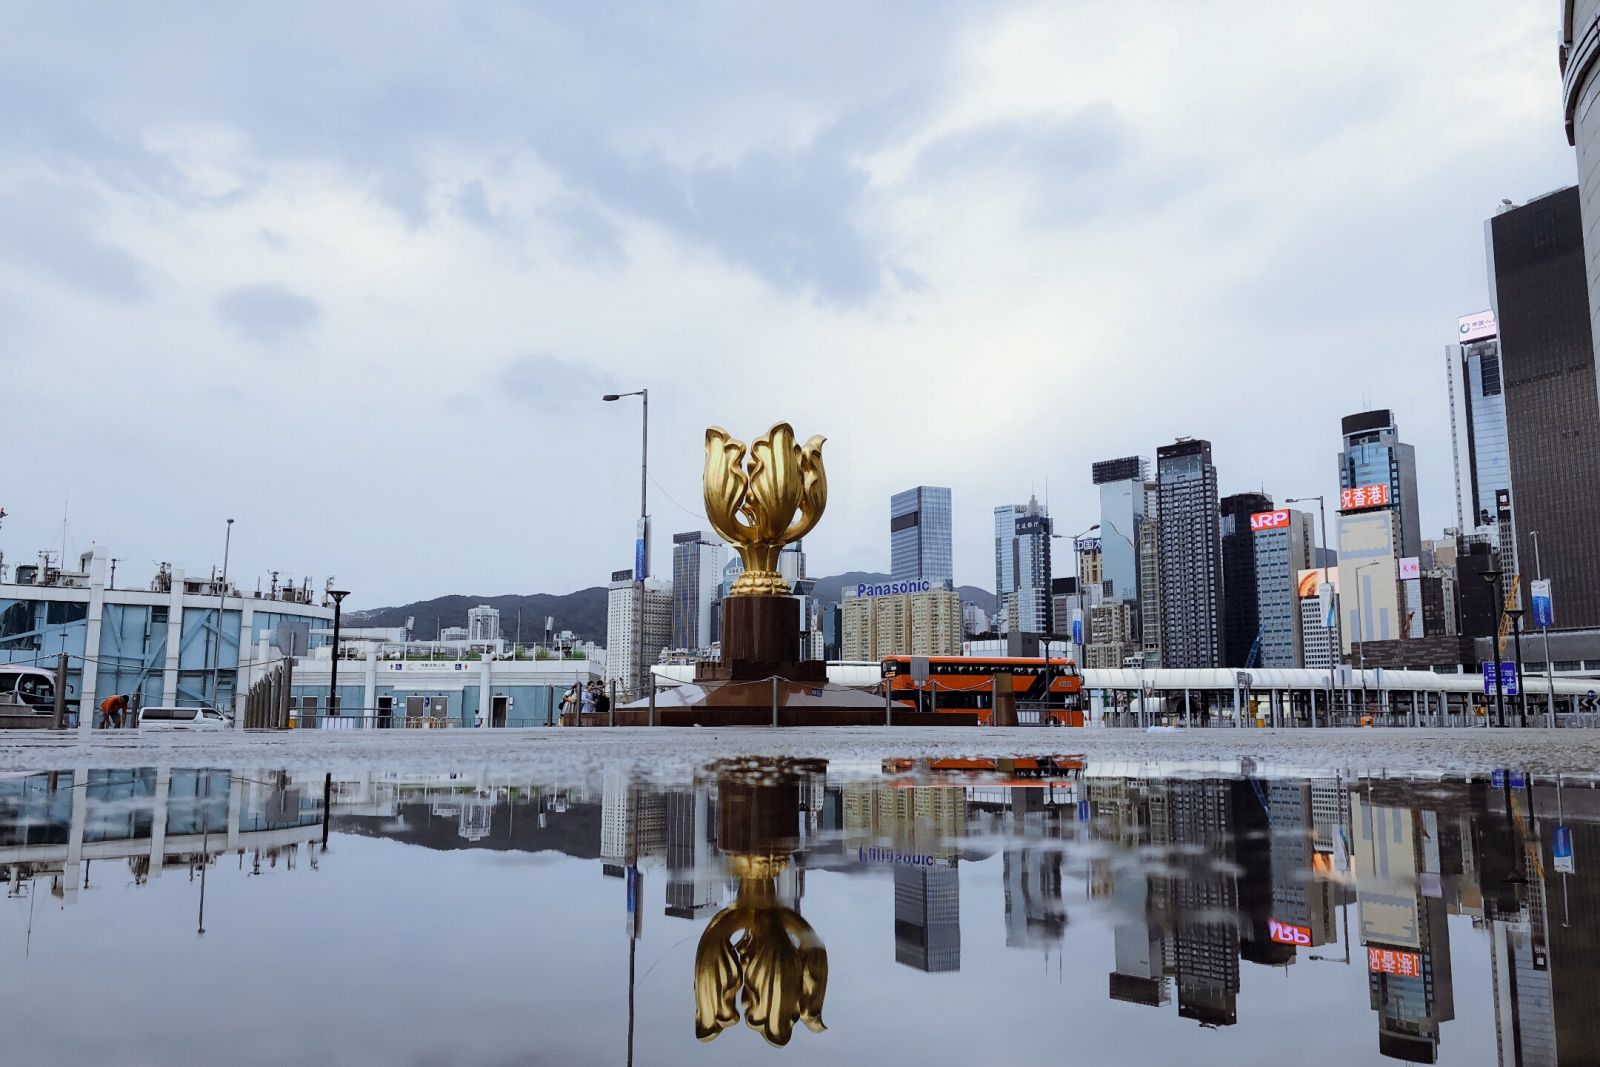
point(1035, 912)
point(693, 885)
point(927, 916)
point(633, 820)
point(1403, 930)
point(1300, 898)
point(54, 824)
point(1206, 900)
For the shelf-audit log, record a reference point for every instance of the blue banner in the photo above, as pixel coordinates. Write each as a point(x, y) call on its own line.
point(1561, 847)
point(638, 560)
point(1489, 676)
point(1544, 612)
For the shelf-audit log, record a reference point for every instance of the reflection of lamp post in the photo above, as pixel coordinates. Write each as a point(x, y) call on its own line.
point(1493, 578)
point(333, 674)
point(1333, 631)
point(640, 565)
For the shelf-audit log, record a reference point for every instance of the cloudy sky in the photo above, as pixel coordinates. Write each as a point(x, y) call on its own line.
point(356, 274)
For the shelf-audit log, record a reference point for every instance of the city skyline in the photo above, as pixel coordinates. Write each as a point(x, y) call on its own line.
point(338, 262)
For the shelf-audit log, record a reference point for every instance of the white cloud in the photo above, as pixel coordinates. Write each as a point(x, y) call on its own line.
point(979, 247)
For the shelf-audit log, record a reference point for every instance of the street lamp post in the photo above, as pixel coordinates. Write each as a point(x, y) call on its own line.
point(333, 674)
point(1515, 615)
point(1493, 578)
point(222, 592)
point(1549, 668)
point(641, 563)
point(1333, 631)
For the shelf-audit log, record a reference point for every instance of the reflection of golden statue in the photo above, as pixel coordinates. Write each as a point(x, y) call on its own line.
point(780, 962)
point(754, 509)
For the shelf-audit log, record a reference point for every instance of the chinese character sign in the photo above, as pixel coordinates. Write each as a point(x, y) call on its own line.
point(1364, 496)
point(1395, 962)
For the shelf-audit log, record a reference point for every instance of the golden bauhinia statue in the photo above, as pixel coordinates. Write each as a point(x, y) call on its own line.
point(755, 509)
point(777, 968)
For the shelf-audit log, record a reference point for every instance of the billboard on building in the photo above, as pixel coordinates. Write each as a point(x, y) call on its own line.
point(1476, 327)
point(1359, 497)
point(1309, 581)
point(1410, 567)
point(1269, 520)
point(1369, 609)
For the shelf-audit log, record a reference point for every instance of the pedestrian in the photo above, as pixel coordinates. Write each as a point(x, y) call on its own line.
point(569, 702)
point(588, 700)
point(602, 702)
point(111, 709)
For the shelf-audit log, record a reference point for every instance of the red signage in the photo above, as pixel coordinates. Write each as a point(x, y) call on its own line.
point(1394, 961)
point(1269, 520)
point(1288, 933)
point(1364, 496)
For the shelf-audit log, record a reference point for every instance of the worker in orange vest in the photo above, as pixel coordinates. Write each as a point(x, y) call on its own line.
point(111, 709)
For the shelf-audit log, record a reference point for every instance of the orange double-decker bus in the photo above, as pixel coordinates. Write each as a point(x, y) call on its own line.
point(967, 684)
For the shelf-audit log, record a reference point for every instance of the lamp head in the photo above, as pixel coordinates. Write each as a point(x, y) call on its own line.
point(611, 396)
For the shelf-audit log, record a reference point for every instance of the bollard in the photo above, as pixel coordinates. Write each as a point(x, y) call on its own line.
point(651, 719)
point(327, 807)
point(774, 700)
point(888, 705)
point(611, 709)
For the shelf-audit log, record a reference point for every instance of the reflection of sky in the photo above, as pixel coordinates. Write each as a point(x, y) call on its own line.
point(391, 953)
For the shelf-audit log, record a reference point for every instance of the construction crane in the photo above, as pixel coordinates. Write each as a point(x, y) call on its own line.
point(1507, 608)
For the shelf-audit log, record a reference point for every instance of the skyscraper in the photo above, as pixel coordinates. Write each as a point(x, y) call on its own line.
point(1478, 431)
point(1121, 483)
point(927, 916)
point(1150, 577)
point(1378, 527)
point(696, 572)
point(1022, 566)
point(1580, 64)
point(1541, 302)
point(919, 534)
point(1191, 555)
point(1282, 550)
point(622, 629)
point(1241, 620)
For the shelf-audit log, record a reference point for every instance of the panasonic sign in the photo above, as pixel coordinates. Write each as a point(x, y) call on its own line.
point(914, 585)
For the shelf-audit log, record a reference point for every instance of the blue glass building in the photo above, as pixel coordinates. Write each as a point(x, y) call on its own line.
point(919, 534)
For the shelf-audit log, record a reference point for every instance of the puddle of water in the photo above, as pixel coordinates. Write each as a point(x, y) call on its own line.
point(958, 911)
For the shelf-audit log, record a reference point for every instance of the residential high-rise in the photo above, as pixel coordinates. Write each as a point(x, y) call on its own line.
point(1378, 527)
point(1541, 301)
point(622, 629)
point(1478, 431)
point(483, 623)
point(1150, 578)
point(919, 534)
point(1190, 554)
point(696, 572)
point(1241, 620)
point(1282, 550)
point(1022, 565)
point(894, 620)
point(1122, 509)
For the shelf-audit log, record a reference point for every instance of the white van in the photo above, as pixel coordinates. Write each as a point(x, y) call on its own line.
point(182, 719)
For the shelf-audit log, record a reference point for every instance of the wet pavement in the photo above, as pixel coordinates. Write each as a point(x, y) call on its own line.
point(863, 899)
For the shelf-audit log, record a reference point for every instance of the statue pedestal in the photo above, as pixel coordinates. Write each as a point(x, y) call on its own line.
point(762, 681)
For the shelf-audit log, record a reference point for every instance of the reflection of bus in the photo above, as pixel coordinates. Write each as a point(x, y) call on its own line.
point(1011, 771)
point(967, 684)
